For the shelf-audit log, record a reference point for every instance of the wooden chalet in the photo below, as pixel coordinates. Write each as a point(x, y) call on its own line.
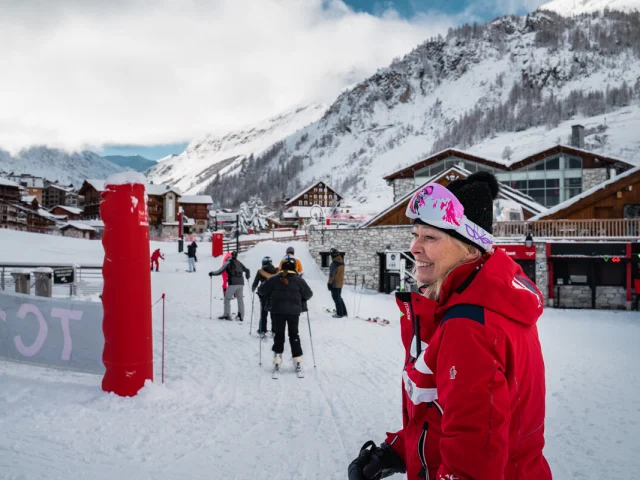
point(196, 207)
point(319, 194)
point(91, 190)
point(71, 213)
point(9, 190)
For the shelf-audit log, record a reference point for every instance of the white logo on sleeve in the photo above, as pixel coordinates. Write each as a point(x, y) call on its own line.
point(452, 373)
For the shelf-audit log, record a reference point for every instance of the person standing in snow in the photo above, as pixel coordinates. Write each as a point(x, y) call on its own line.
point(224, 275)
point(234, 269)
point(155, 256)
point(291, 253)
point(287, 295)
point(336, 282)
point(191, 256)
point(473, 398)
point(265, 273)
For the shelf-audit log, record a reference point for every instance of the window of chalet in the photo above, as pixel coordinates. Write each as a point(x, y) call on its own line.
point(610, 273)
point(571, 272)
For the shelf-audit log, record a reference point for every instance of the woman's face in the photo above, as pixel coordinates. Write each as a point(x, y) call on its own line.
point(436, 254)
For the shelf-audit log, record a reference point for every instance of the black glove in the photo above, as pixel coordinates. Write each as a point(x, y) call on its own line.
point(211, 274)
point(375, 463)
point(304, 306)
point(247, 275)
point(329, 286)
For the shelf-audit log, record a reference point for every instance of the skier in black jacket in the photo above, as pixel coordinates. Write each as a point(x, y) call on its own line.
point(264, 274)
point(234, 269)
point(287, 295)
point(191, 254)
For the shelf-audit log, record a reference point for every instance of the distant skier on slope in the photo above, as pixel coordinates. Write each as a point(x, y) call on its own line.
point(155, 256)
point(287, 295)
point(265, 273)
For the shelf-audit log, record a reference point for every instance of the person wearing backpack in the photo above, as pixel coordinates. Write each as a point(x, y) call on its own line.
point(234, 269)
point(265, 273)
point(191, 256)
point(287, 295)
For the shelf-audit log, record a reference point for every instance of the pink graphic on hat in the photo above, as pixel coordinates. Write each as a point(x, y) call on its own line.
point(442, 199)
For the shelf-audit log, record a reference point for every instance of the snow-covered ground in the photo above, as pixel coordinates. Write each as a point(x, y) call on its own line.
point(220, 415)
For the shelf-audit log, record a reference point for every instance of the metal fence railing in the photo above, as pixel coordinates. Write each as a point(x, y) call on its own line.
point(87, 278)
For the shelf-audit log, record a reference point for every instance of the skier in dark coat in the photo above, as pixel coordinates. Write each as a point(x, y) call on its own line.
point(287, 295)
point(264, 274)
point(191, 256)
point(336, 282)
point(234, 269)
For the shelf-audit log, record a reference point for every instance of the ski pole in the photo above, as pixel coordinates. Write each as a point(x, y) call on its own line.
point(260, 340)
point(253, 298)
point(163, 337)
point(210, 296)
point(311, 339)
point(360, 299)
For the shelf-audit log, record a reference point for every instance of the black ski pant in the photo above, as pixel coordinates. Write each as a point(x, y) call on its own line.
point(264, 313)
point(280, 322)
point(341, 308)
point(636, 301)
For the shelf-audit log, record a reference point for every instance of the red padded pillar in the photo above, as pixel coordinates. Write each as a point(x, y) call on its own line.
point(126, 296)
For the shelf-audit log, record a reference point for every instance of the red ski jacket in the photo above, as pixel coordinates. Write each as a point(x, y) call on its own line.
point(474, 390)
point(156, 255)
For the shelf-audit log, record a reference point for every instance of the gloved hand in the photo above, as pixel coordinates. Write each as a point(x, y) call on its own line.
point(253, 289)
point(247, 275)
point(211, 274)
point(375, 463)
point(329, 286)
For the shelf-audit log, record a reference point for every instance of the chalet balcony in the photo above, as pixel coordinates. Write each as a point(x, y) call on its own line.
point(627, 228)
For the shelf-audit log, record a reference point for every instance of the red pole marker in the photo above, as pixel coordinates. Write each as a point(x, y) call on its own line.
point(126, 296)
point(163, 337)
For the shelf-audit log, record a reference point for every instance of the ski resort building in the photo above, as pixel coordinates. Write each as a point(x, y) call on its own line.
point(582, 252)
point(314, 202)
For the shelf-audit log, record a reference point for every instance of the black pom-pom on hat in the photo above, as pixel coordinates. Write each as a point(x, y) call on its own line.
point(476, 193)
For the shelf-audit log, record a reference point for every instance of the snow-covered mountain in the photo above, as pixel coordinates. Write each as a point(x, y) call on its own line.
point(214, 155)
point(577, 7)
point(516, 81)
point(54, 164)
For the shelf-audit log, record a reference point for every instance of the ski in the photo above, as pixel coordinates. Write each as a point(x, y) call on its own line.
point(377, 320)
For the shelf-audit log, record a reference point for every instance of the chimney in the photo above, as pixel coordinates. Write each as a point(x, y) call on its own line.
point(577, 136)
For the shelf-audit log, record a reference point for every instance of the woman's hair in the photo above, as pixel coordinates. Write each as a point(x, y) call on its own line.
point(433, 291)
point(283, 278)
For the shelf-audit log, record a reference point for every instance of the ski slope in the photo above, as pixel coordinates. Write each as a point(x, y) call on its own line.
point(221, 416)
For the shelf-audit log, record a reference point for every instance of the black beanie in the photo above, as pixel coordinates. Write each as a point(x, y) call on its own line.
point(476, 193)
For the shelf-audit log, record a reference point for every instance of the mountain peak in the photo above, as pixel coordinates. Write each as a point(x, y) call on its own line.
point(576, 7)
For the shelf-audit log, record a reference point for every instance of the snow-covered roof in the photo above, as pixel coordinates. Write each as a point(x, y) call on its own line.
point(79, 226)
point(96, 183)
point(505, 192)
point(60, 187)
point(306, 190)
point(586, 193)
point(43, 213)
point(160, 189)
point(28, 198)
point(71, 210)
point(199, 199)
point(8, 183)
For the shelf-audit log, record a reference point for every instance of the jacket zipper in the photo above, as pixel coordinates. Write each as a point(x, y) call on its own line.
point(421, 445)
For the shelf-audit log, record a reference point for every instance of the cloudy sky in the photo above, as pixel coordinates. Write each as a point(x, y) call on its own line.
point(145, 76)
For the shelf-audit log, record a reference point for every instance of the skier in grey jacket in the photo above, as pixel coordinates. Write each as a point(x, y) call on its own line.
point(234, 269)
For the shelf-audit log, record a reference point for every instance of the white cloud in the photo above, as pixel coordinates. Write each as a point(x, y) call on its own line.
point(90, 72)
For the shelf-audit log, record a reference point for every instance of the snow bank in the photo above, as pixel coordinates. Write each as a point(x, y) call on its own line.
point(123, 178)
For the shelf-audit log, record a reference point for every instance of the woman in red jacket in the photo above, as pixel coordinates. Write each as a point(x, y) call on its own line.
point(473, 396)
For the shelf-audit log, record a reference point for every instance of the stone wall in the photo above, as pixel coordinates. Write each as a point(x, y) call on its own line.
point(612, 298)
point(361, 246)
point(401, 187)
point(573, 296)
point(579, 296)
point(592, 177)
point(542, 277)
